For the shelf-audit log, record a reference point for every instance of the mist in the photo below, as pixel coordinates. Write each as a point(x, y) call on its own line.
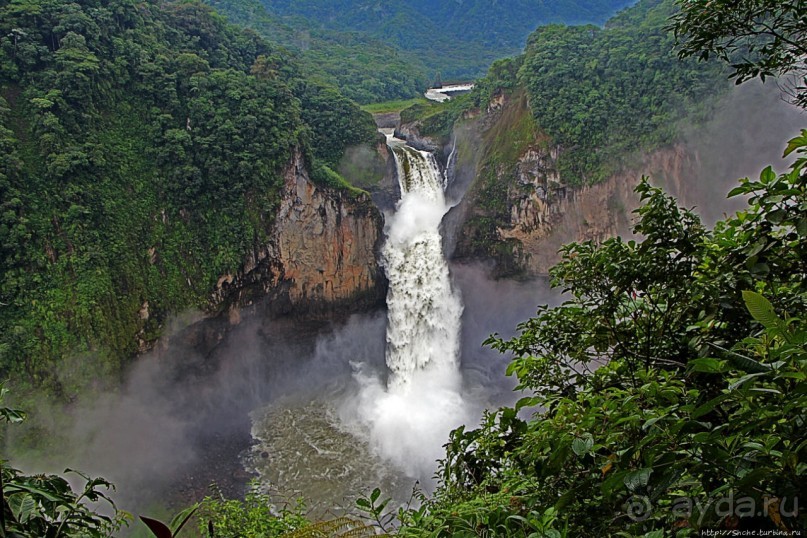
point(748, 131)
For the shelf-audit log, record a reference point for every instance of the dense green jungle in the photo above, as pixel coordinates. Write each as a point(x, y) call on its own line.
point(184, 183)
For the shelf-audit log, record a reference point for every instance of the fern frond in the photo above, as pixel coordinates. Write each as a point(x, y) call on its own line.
point(340, 527)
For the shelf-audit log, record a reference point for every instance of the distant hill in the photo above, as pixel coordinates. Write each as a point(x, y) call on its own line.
point(416, 24)
point(364, 68)
point(376, 50)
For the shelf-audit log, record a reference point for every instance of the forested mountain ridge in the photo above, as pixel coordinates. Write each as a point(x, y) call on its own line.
point(455, 39)
point(144, 145)
point(365, 69)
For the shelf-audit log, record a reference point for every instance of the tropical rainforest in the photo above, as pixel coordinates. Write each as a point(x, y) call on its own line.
point(142, 151)
point(375, 51)
point(143, 145)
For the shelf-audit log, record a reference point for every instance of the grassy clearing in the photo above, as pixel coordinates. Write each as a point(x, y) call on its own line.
point(393, 106)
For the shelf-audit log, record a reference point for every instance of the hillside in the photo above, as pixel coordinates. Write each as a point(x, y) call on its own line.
point(146, 149)
point(454, 39)
point(364, 69)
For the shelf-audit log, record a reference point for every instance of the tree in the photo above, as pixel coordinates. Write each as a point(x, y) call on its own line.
point(759, 38)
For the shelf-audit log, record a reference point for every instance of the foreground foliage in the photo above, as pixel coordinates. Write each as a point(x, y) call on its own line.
point(759, 38)
point(45, 506)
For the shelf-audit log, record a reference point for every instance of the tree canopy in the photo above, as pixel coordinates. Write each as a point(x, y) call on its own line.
point(759, 38)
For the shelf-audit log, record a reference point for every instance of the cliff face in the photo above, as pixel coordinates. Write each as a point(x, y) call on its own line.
point(320, 255)
point(545, 214)
point(518, 211)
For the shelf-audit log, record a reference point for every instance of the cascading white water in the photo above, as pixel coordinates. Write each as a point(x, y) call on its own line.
point(403, 415)
point(410, 417)
point(423, 309)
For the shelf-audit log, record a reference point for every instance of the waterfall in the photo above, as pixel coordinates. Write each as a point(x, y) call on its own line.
point(423, 309)
point(390, 424)
point(408, 418)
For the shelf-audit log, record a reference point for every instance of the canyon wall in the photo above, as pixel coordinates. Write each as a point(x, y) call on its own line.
point(320, 256)
point(545, 214)
point(518, 210)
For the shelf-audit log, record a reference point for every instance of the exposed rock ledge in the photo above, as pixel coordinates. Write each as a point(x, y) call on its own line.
point(320, 255)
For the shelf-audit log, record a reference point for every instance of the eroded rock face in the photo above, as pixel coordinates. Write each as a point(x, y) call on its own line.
point(545, 214)
point(320, 255)
point(537, 213)
point(327, 242)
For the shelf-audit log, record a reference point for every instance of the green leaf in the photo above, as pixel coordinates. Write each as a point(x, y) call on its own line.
point(761, 269)
point(796, 143)
point(181, 518)
point(375, 495)
point(741, 362)
point(776, 216)
point(709, 406)
point(707, 365)
point(528, 401)
point(581, 447)
point(13, 416)
point(34, 490)
point(649, 422)
point(637, 479)
point(22, 506)
point(745, 379)
point(736, 191)
point(767, 175)
point(613, 483)
point(761, 309)
point(758, 247)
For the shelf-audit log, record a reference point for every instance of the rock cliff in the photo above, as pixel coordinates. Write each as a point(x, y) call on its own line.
point(545, 214)
point(519, 211)
point(320, 255)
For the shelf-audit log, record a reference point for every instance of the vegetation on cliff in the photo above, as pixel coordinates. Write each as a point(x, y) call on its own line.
point(143, 145)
